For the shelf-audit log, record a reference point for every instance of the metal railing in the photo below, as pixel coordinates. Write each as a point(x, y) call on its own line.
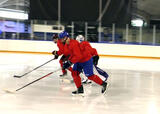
point(43, 30)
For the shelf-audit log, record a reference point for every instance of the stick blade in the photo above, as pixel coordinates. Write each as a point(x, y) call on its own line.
point(8, 91)
point(66, 80)
point(17, 76)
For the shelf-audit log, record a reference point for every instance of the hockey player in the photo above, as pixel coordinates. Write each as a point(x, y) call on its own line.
point(93, 51)
point(60, 45)
point(82, 60)
point(87, 45)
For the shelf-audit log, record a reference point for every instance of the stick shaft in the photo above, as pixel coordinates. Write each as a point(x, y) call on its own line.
point(37, 80)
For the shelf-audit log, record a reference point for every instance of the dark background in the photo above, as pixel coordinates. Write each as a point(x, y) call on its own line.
point(119, 11)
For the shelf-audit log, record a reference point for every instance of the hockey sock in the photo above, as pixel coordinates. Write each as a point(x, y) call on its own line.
point(76, 78)
point(96, 79)
point(61, 63)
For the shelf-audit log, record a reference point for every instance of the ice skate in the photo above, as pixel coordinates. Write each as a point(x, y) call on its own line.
point(89, 81)
point(64, 74)
point(79, 91)
point(86, 81)
point(104, 87)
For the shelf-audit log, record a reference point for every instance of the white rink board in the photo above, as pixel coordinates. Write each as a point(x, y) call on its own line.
point(102, 48)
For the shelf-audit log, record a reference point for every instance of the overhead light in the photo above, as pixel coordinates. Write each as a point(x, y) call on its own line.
point(137, 22)
point(13, 14)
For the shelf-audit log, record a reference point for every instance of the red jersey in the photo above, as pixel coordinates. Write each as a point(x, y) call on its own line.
point(94, 52)
point(73, 50)
point(86, 44)
point(61, 48)
point(86, 50)
point(79, 52)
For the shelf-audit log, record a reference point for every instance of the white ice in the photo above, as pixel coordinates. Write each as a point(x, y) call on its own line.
point(134, 87)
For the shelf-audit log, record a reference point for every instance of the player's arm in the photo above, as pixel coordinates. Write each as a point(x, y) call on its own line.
point(76, 53)
point(95, 56)
point(59, 52)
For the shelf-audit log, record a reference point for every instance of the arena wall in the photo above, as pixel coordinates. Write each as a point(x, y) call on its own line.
point(104, 49)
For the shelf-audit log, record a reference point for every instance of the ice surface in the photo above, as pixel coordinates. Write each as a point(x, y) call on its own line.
point(134, 87)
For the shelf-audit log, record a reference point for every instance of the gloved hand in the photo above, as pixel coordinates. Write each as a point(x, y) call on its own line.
point(54, 52)
point(67, 64)
point(95, 59)
point(56, 56)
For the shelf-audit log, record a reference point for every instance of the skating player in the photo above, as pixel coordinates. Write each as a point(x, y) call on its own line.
point(82, 60)
point(60, 45)
point(86, 44)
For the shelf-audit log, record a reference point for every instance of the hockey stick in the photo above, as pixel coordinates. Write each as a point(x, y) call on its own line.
point(16, 76)
point(7, 91)
point(101, 72)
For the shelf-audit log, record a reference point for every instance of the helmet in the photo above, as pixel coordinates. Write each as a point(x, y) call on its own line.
point(63, 34)
point(55, 36)
point(80, 38)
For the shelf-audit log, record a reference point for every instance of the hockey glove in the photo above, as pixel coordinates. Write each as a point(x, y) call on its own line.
point(95, 60)
point(55, 54)
point(67, 64)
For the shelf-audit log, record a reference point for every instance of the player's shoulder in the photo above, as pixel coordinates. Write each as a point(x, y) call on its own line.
point(59, 41)
point(86, 43)
point(74, 41)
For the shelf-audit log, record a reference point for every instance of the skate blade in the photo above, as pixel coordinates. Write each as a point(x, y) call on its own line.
point(80, 94)
point(104, 92)
point(17, 76)
point(66, 80)
point(86, 82)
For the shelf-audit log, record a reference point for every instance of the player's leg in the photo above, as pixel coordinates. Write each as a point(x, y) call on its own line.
point(64, 72)
point(88, 70)
point(77, 79)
